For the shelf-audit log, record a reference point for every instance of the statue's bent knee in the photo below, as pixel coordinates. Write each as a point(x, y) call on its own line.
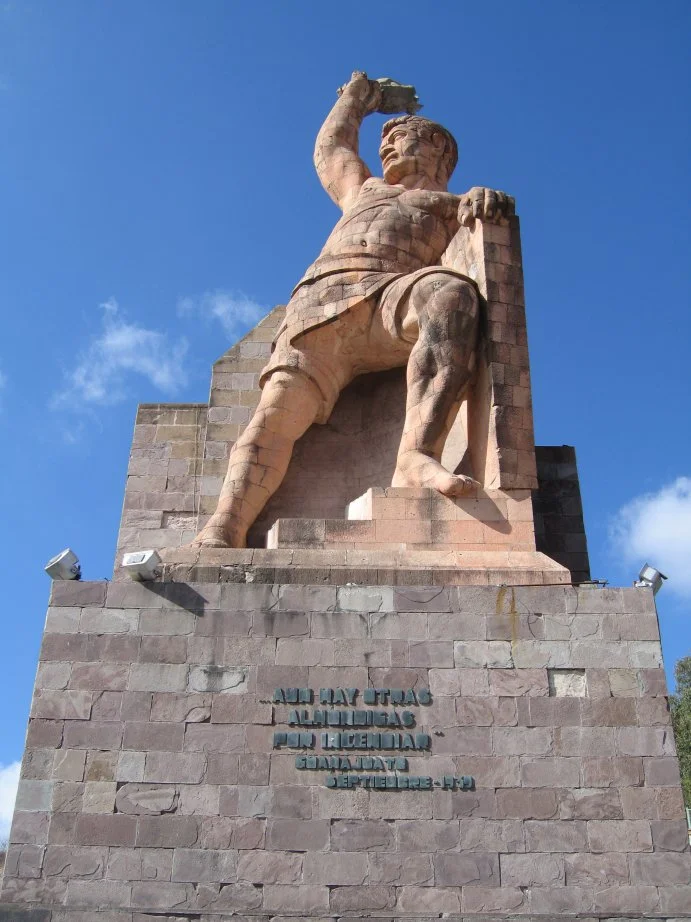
point(442, 295)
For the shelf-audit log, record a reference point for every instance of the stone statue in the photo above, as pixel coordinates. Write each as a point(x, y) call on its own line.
point(376, 298)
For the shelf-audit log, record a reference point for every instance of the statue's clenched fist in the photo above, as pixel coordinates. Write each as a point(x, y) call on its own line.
point(487, 205)
point(367, 91)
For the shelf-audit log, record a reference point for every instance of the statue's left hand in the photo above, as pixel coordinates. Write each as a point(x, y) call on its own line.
point(487, 205)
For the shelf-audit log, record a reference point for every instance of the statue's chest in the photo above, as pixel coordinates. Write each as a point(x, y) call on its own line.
point(407, 213)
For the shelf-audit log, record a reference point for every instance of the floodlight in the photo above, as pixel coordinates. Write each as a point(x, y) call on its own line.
point(650, 578)
point(142, 565)
point(64, 565)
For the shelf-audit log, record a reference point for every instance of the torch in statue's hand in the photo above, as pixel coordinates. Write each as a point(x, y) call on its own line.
point(383, 95)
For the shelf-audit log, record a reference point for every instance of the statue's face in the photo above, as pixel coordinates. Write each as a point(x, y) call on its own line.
point(403, 152)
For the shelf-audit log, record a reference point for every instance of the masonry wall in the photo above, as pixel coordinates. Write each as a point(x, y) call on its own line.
point(150, 783)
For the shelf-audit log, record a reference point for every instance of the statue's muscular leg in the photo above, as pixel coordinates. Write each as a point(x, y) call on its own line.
point(445, 310)
point(289, 405)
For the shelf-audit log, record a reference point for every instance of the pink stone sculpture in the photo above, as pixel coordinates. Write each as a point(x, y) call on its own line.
point(379, 296)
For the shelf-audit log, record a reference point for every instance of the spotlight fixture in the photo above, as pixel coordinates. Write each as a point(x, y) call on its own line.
point(142, 565)
point(650, 578)
point(64, 565)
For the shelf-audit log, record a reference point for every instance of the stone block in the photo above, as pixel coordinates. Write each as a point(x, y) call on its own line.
point(610, 772)
point(99, 797)
point(551, 772)
point(146, 799)
point(435, 901)
point(24, 861)
point(154, 736)
point(526, 871)
point(160, 894)
point(365, 599)
point(180, 708)
point(82, 734)
point(623, 899)
point(360, 835)
point(349, 869)
point(195, 865)
point(527, 803)
point(619, 836)
point(670, 835)
point(97, 829)
point(168, 767)
point(99, 894)
point(166, 831)
point(555, 836)
point(661, 869)
point(108, 620)
point(304, 898)
point(175, 623)
point(214, 738)
point(432, 836)
point(34, 796)
point(523, 741)
point(296, 835)
point(75, 862)
point(56, 704)
point(398, 870)
point(481, 654)
point(78, 594)
point(307, 598)
point(661, 772)
point(30, 827)
point(560, 900)
point(163, 649)
point(273, 867)
point(157, 677)
point(63, 620)
point(199, 800)
point(37, 764)
point(518, 682)
point(140, 864)
point(591, 804)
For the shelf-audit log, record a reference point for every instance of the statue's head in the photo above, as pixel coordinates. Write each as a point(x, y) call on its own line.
point(411, 144)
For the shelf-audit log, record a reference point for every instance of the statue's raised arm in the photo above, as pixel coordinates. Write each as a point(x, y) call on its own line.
point(339, 166)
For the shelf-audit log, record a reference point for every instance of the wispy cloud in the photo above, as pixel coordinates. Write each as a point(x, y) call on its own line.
point(121, 349)
point(3, 382)
point(9, 779)
point(656, 527)
point(234, 311)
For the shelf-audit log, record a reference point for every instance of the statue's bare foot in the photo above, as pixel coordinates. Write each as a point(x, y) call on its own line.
point(220, 531)
point(416, 469)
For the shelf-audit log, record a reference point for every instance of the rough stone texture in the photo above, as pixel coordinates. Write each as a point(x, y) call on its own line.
point(174, 802)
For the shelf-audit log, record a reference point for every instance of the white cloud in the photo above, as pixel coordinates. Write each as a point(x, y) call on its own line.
point(3, 382)
point(234, 311)
point(122, 348)
point(9, 779)
point(656, 528)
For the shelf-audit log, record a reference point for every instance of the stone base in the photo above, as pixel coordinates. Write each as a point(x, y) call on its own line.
point(487, 537)
point(15, 913)
point(338, 566)
point(164, 781)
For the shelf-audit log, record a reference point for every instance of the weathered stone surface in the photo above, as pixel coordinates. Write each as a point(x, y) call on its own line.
point(195, 865)
point(146, 799)
point(177, 797)
point(526, 871)
point(619, 836)
point(466, 869)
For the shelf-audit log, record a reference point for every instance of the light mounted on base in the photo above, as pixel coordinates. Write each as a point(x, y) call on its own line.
point(650, 578)
point(142, 565)
point(64, 565)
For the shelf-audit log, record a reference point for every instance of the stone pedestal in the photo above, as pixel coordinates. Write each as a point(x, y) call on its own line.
point(213, 751)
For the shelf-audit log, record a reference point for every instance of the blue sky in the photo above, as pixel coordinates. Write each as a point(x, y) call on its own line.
point(158, 197)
